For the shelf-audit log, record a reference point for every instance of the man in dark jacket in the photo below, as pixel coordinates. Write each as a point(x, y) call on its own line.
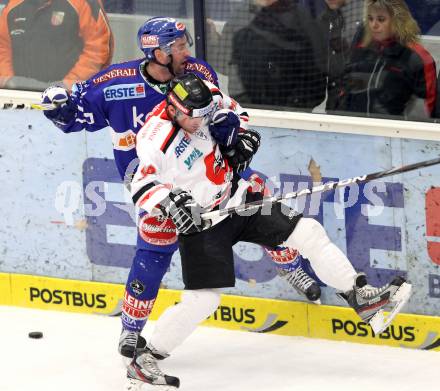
point(272, 53)
point(341, 22)
point(279, 57)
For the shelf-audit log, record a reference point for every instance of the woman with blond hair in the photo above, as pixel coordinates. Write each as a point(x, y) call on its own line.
point(390, 73)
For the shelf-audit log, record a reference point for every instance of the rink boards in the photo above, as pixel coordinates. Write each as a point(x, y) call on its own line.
point(250, 314)
point(69, 216)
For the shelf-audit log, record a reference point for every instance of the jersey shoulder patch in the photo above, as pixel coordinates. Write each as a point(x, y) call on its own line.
point(202, 69)
point(118, 73)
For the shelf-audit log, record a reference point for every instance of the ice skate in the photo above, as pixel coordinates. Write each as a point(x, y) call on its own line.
point(289, 267)
point(129, 341)
point(303, 283)
point(144, 374)
point(370, 302)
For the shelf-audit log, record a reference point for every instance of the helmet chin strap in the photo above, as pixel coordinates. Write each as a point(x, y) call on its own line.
point(169, 66)
point(177, 114)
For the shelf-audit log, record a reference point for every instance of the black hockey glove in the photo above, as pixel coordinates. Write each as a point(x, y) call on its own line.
point(184, 211)
point(239, 157)
point(65, 109)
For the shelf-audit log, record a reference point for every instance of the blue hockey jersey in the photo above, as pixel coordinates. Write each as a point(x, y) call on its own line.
point(121, 97)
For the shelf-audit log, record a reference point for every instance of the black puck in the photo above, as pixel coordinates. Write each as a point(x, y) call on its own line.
point(35, 334)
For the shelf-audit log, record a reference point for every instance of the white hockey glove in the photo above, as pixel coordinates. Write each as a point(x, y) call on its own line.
point(65, 107)
point(184, 211)
point(240, 155)
point(224, 127)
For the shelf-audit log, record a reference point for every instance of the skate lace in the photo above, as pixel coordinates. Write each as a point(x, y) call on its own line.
point(300, 279)
point(369, 291)
point(130, 338)
point(149, 363)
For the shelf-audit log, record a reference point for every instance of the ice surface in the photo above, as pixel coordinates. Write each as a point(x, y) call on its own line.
point(78, 353)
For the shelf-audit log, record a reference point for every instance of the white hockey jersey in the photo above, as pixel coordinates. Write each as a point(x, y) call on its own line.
point(171, 158)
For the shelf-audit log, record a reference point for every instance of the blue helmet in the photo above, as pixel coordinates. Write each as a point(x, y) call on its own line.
point(160, 32)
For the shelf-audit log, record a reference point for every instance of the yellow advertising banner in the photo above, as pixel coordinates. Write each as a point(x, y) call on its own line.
point(65, 295)
point(234, 313)
point(342, 324)
point(5, 289)
point(260, 315)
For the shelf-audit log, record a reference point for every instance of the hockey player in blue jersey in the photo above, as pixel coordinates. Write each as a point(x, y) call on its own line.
point(121, 97)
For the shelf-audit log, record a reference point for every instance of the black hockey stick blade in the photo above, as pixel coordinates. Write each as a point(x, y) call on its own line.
point(318, 189)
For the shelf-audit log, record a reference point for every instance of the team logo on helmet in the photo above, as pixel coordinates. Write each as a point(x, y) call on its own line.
point(149, 41)
point(180, 26)
point(178, 105)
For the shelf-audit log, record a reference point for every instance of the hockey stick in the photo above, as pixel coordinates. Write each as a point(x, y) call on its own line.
point(16, 99)
point(318, 189)
point(35, 106)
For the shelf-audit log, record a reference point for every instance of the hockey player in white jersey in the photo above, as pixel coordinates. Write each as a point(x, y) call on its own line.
point(185, 170)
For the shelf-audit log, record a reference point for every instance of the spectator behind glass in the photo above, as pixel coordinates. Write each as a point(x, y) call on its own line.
point(390, 72)
point(42, 42)
point(272, 53)
point(341, 20)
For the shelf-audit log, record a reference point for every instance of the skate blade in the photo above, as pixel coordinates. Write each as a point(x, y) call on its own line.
point(379, 322)
point(137, 385)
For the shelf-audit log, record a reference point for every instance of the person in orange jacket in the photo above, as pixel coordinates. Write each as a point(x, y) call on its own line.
point(47, 41)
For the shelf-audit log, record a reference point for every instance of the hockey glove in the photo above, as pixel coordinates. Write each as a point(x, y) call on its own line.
point(224, 127)
point(240, 155)
point(65, 107)
point(184, 211)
